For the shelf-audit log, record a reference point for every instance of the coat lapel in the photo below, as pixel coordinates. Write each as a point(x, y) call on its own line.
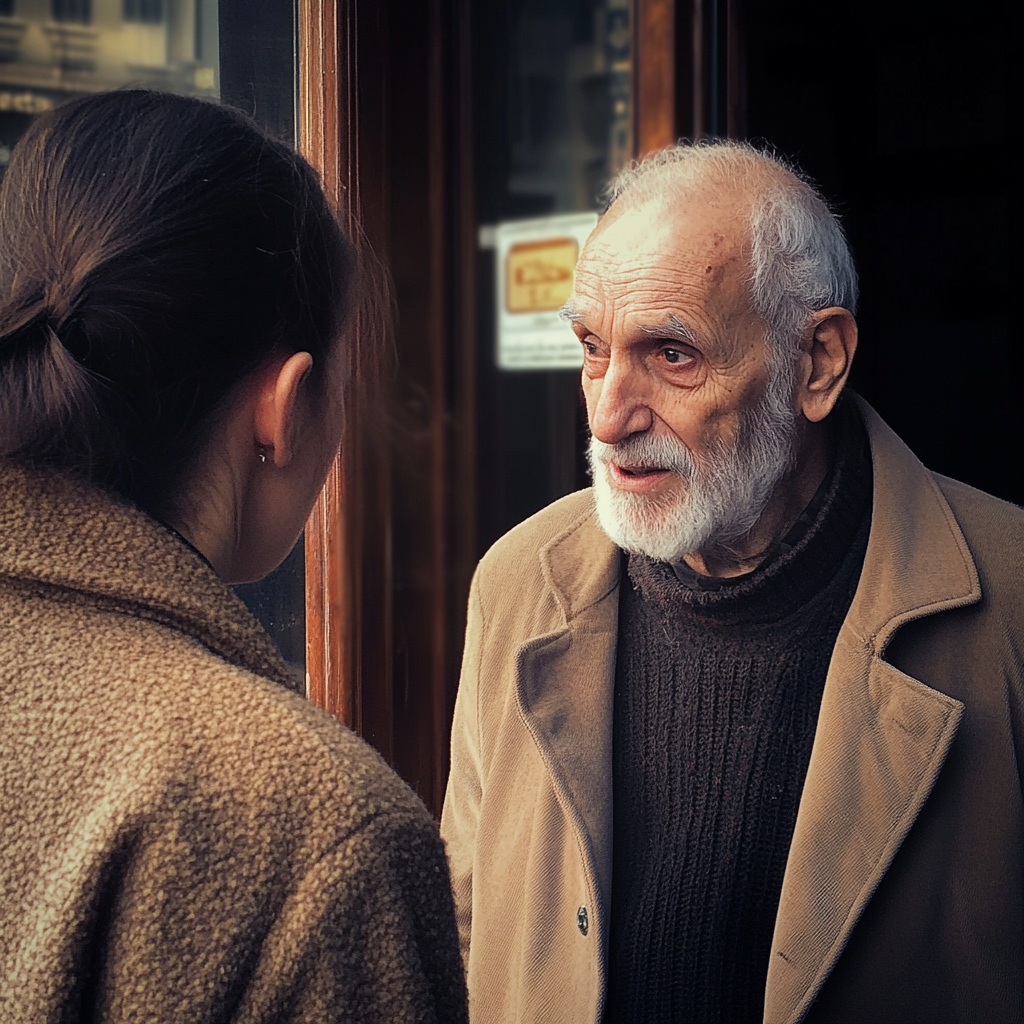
point(882, 736)
point(564, 684)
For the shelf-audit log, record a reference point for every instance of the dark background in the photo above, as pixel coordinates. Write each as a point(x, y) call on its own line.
point(532, 432)
point(900, 112)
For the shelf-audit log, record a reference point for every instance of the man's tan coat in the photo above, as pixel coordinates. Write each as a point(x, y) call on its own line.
point(903, 897)
point(182, 838)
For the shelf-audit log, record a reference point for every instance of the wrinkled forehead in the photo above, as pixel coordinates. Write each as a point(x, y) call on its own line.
point(664, 244)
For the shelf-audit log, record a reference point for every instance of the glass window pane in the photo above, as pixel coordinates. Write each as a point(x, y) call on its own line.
point(553, 114)
point(279, 602)
point(257, 75)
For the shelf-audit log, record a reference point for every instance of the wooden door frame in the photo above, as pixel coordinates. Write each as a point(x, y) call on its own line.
point(348, 572)
point(382, 652)
point(390, 545)
point(655, 106)
point(329, 138)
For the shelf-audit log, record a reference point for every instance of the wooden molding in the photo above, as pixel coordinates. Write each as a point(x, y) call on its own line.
point(325, 105)
point(711, 43)
point(326, 100)
point(654, 57)
point(328, 679)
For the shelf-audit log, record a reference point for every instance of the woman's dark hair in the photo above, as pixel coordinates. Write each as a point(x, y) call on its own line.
point(154, 251)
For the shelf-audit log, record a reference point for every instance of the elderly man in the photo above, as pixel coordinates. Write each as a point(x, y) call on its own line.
point(739, 731)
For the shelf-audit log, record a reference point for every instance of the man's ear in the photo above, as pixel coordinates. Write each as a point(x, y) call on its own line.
point(279, 410)
point(829, 343)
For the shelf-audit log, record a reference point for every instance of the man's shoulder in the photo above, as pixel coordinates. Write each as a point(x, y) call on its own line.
point(980, 509)
point(993, 529)
point(916, 508)
point(526, 540)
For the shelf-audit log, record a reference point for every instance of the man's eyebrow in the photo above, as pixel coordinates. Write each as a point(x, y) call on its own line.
point(673, 327)
point(570, 314)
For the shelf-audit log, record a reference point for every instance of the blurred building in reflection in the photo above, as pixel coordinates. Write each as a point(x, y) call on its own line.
point(51, 50)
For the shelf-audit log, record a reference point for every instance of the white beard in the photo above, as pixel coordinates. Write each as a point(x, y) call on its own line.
point(717, 499)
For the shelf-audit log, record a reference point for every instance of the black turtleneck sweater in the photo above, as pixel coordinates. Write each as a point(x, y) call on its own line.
point(718, 685)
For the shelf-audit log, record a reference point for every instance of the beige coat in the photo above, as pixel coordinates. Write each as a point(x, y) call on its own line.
point(903, 897)
point(183, 840)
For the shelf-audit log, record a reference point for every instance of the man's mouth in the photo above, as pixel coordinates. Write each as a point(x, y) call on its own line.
point(636, 478)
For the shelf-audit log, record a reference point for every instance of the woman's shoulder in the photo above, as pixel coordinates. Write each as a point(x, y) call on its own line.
point(132, 678)
point(141, 705)
point(243, 829)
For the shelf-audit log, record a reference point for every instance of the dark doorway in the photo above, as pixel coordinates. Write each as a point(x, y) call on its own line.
point(899, 112)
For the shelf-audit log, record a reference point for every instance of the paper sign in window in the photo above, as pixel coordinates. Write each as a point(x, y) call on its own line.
point(535, 261)
point(539, 275)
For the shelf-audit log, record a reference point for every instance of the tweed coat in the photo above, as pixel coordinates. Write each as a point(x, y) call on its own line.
point(903, 896)
point(183, 838)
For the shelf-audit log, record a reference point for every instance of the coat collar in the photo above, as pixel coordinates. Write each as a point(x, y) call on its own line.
point(882, 737)
point(72, 537)
point(918, 557)
point(581, 565)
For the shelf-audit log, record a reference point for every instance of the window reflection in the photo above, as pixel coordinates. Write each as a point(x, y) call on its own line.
point(279, 602)
point(53, 50)
point(568, 101)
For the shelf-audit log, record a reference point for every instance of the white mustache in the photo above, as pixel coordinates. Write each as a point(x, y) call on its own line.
point(646, 451)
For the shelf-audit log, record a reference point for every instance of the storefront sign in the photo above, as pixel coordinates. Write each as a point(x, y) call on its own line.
point(535, 262)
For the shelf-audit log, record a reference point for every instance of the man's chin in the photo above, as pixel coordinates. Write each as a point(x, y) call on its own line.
point(657, 527)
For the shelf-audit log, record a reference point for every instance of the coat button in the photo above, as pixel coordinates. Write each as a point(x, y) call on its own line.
point(582, 920)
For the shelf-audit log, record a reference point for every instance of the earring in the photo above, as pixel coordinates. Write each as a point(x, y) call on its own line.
point(262, 457)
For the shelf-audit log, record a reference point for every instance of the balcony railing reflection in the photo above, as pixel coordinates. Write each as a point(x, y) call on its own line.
point(75, 46)
point(52, 50)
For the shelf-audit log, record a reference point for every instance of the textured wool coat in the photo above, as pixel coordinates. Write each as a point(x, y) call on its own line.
point(903, 897)
point(183, 838)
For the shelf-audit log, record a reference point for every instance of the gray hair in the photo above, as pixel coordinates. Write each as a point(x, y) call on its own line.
point(799, 259)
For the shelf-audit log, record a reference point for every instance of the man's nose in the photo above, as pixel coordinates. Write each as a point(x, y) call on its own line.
point(617, 404)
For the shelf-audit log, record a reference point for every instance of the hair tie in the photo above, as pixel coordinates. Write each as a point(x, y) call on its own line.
point(63, 329)
point(55, 312)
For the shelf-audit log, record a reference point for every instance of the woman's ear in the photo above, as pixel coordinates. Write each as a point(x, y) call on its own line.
point(828, 347)
point(279, 410)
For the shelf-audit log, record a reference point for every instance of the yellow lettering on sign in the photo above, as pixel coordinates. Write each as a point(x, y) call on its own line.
point(538, 275)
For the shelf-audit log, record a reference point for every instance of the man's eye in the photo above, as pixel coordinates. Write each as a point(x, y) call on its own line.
point(676, 355)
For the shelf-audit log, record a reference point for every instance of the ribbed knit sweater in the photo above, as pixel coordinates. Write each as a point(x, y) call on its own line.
point(718, 686)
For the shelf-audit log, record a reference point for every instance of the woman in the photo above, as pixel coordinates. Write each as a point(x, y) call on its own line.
point(182, 836)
